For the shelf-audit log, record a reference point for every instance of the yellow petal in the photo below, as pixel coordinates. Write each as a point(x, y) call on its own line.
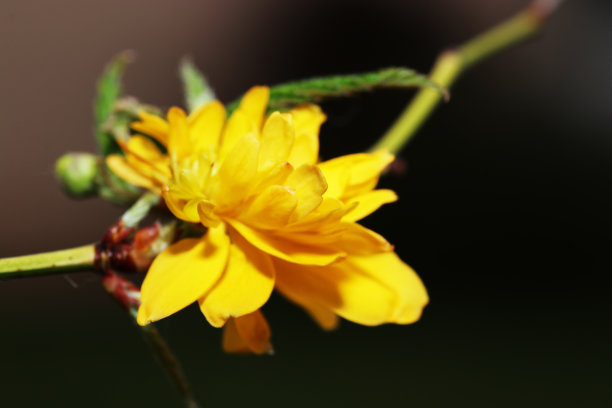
point(177, 205)
point(363, 168)
point(144, 156)
point(305, 149)
point(120, 166)
point(369, 290)
point(392, 272)
point(144, 148)
point(182, 274)
point(205, 126)
point(309, 185)
point(335, 287)
point(277, 175)
point(237, 172)
point(272, 208)
point(327, 319)
point(237, 126)
point(245, 286)
point(307, 120)
point(208, 218)
point(369, 202)
point(232, 342)
point(154, 126)
point(276, 140)
point(254, 104)
point(316, 238)
point(179, 145)
point(324, 317)
point(327, 214)
point(249, 333)
point(358, 240)
point(284, 248)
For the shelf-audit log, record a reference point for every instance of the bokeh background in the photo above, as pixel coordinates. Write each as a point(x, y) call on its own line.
point(504, 206)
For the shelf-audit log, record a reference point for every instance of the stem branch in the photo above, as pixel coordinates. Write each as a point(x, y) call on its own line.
point(128, 297)
point(454, 62)
point(170, 364)
point(49, 263)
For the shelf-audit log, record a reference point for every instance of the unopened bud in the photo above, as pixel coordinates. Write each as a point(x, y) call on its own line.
point(77, 174)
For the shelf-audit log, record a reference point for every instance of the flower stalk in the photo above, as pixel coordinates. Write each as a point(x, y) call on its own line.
point(134, 255)
point(452, 63)
point(49, 263)
point(127, 295)
point(124, 247)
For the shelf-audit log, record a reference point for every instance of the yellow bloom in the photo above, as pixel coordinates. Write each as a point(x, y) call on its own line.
point(276, 219)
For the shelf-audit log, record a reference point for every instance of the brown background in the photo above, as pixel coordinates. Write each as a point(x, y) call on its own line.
point(503, 211)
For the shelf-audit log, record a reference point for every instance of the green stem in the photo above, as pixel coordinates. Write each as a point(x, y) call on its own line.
point(70, 260)
point(140, 209)
point(454, 62)
point(49, 263)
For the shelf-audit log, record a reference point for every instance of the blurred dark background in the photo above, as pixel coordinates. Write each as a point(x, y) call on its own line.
point(504, 206)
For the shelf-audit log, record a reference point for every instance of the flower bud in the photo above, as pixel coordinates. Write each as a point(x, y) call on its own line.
point(77, 174)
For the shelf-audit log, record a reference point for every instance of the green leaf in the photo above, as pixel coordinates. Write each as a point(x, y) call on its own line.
point(109, 90)
point(196, 88)
point(316, 90)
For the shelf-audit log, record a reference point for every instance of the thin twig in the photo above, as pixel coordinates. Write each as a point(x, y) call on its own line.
point(128, 297)
point(454, 62)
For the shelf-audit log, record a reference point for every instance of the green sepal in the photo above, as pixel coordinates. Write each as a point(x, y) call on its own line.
point(109, 91)
point(195, 86)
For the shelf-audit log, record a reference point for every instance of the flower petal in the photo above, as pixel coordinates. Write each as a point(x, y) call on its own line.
point(232, 342)
point(276, 140)
point(307, 120)
point(368, 202)
point(277, 175)
point(237, 126)
point(363, 172)
point(144, 148)
point(359, 240)
point(324, 317)
point(120, 166)
point(254, 104)
point(369, 290)
point(309, 185)
point(153, 126)
point(237, 172)
point(272, 208)
point(327, 319)
point(205, 126)
point(284, 248)
point(144, 156)
point(181, 274)
point(179, 145)
point(245, 286)
point(178, 206)
point(327, 214)
point(248, 333)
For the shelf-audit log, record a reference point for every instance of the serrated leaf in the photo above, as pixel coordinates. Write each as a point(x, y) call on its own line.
point(109, 90)
point(316, 90)
point(196, 88)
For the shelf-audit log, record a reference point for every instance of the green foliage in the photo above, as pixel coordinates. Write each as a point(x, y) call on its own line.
point(196, 88)
point(109, 91)
point(114, 115)
point(316, 90)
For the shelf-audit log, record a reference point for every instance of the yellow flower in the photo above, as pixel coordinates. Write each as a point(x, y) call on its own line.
point(276, 219)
